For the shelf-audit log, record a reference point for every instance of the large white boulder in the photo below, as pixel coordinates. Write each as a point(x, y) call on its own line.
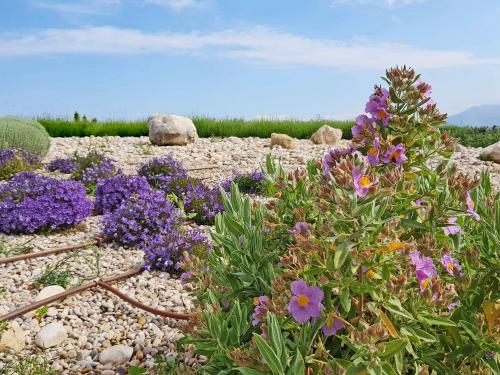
point(51, 335)
point(171, 130)
point(327, 135)
point(491, 153)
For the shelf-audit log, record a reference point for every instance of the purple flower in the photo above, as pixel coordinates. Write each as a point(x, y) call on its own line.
point(15, 160)
point(450, 264)
point(203, 201)
point(425, 269)
point(185, 276)
point(252, 183)
point(30, 203)
point(363, 122)
point(377, 105)
point(334, 156)
point(305, 302)
point(301, 227)
point(470, 207)
point(260, 311)
point(110, 193)
point(373, 152)
point(490, 356)
point(453, 305)
point(92, 168)
point(63, 165)
point(419, 202)
point(395, 155)
point(166, 174)
point(453, 228)
point(362, 183)
point(331, 327)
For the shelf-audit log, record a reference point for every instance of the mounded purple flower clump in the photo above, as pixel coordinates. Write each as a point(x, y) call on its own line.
point(164, 252)
point(31, 203)
point(63, 165)
point(166, 174)
point(203, 201)
point(110, 193)
point(251, 183)
point(139, 218)
point(92, 168)
point(15, 160)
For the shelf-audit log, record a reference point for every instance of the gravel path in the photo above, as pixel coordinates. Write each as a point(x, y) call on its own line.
point(96, 320)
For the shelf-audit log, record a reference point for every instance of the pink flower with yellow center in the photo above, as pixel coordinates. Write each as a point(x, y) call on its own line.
point(362, 182)
point(373, 153)
point(306, 301)
point(470, 207)
point(424, 269)
point(451, 265)
point(395, 155)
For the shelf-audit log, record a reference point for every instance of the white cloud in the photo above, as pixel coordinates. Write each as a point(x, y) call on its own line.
point(176, 4)
point(257, 45)
point(383, 3)
point(77, 7)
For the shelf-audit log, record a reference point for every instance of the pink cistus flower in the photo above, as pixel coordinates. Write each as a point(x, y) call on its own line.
point(453, 228)
point(425, 269)
point(334, 156)
point(331, 327)
point(301, 227)
point(260, 311)
point(377, 105)
point(454, 305)
point(395, 155)
point(373, 153)
point(363, 122)
point(450, 264)
point(362, 183)
point(306, 301)
point(470, 207)
point(185, 276)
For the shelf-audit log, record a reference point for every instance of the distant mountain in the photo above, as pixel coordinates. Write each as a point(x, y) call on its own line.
point(482, 115)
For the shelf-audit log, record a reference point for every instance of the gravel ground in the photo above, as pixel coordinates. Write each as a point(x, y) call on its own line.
point(97, 320)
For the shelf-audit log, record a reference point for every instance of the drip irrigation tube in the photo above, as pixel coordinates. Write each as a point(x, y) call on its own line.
point(103, 283)
point(56, 250)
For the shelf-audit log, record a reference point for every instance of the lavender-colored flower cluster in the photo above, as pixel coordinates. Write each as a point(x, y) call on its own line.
point(247, 183)
point(110, 193)
point(166, 174)
point(165, 252)
point(63, 165)
point(203, 201)
point(140, 218)
point(30, 203)
point(92, 168)
point(15, 160)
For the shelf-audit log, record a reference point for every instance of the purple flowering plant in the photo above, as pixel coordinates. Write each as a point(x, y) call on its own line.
point(369, 261)
point(63, 165)
point(31, 203)
point(92, 168)
point(15, 160)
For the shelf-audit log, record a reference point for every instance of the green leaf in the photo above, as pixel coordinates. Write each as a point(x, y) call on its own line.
point(341, 253)
point(406, 223)
point(269, 355)
point(393, 347)
point(421, 334)
point(436, 321)
point(345, 301)
point(248, 371)
point(137, 371)
point(298, 367)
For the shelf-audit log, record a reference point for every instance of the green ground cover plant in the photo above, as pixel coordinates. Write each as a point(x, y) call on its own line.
point(23, 134)
point(369, 262)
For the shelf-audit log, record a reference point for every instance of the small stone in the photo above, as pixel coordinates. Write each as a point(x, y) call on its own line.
point(116, 355)
point(13, 338)
point(282, 140)
point(142, 320)
point(51, 335)
point(49, 291)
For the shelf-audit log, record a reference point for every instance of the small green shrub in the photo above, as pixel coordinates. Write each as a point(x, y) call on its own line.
point(24, 134)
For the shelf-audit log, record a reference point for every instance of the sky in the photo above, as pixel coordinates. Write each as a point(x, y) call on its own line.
point(128, 59)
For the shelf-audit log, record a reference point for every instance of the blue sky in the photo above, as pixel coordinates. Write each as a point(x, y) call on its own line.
point(240, 58)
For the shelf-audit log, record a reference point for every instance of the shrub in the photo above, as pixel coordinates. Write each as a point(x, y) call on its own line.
point(368, 262)
point(31, 203)
point(110, 193)
point(92, 168)
point(139, 218)
point(14, 160)
point(203, 202)
point(166, 174)
point(252, 183)
point(23, 134)
point(165, 252)
point(63, 165)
